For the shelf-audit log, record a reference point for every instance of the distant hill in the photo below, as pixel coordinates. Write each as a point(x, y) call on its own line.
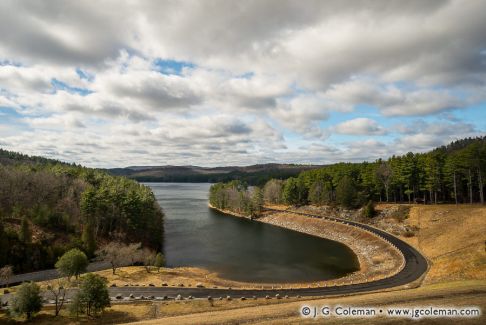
point(253, 175)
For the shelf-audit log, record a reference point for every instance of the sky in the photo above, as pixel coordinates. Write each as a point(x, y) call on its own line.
point(218, 83)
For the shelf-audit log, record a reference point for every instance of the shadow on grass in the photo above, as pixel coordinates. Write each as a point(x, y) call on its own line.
point(108, 317)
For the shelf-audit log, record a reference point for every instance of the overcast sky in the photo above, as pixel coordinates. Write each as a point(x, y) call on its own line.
point(120, 83)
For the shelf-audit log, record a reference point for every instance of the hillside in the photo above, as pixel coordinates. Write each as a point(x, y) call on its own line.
point(253, 175)
point(48, 207)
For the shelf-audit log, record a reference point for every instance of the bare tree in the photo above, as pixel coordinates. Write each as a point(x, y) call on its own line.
point(272, 191)
point(57, 289)
point(148, 259)
point(6, 273)
point(119, 254)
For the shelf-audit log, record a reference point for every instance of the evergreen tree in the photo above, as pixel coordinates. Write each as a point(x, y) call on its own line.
point(25, 234)
point(88, 239)
point(346, 193)
point(159, 261)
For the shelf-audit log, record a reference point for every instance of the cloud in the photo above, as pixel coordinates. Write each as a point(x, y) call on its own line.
point(231, 82)
point(360, 126)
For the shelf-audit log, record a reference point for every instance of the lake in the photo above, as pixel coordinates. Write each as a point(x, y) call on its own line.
point(241, 249)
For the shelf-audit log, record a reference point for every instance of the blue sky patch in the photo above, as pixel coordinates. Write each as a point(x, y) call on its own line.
point(59, 85)
point(169, 67)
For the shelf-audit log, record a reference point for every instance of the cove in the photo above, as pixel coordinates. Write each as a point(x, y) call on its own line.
point(240, 249)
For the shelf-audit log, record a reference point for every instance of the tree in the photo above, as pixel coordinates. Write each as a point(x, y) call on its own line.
point(346, 193)
point(92, 296)
point(319, 193)
point(88, 238)
point(159, 261)
point(257, 200)
point(119, 254)
point(57, 289)
point(149, 257)
point(6, 273)
point(25, 234)
point(384, 174)
point(72, 263)
point(272, 191)
point(27, 300)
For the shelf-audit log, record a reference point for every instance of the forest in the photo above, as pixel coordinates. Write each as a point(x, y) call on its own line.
point(449, 174)
point(48, 207)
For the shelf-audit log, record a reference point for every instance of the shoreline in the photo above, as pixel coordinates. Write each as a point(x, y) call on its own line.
point(377, 258)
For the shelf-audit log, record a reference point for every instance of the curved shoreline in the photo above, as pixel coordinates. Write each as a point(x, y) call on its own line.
point(378, 259)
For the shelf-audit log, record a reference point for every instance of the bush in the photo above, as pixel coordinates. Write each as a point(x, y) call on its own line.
point(369, 210)
point(72, 263)
point(27, 300)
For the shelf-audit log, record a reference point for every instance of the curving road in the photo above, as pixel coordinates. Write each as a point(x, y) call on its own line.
point(415, 267)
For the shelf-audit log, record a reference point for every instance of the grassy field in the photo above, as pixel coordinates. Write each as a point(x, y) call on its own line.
point(451, 237)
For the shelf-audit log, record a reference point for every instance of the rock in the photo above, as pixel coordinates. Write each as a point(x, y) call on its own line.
point(277, 296)
point(165, 298)
point(267, 297)
point(220, 298)
point(164, 284)
point(151, 297)
point(298, 296)
point(228, 298)
point(242, 298)
point(254, 297)
point(119, 296)
point(151, 285)
point(210, 298)
point(199, 285)
point(126, 284)
point(286, 297)
point(180, 285)
point(179, 297)
point(131, 296)
point(6, 291)
point(190, 297)
point(113, 285)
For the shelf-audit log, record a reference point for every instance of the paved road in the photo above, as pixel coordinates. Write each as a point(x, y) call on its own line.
point(50, 274)
point(415, 267)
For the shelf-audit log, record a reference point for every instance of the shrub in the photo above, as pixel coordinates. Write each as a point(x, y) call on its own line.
point(27, 300)
point(72, 263)
point(369, 210)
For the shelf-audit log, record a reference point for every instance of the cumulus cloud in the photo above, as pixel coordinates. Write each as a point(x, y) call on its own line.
point(360, 126)
point(245, 81)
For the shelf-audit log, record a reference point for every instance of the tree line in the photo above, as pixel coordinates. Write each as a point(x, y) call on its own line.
point(236, 196)
point(48, 207)
point(452, 173)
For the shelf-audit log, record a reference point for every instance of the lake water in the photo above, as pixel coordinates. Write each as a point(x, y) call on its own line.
point(241, 249)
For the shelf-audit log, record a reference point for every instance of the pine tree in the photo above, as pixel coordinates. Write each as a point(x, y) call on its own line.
point(25, 234)
point(88, 239)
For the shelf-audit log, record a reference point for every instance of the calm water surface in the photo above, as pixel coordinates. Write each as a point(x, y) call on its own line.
point(240, 249)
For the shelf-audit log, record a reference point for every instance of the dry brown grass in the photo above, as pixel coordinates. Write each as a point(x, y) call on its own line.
point(452, 238)
point(471, 293)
